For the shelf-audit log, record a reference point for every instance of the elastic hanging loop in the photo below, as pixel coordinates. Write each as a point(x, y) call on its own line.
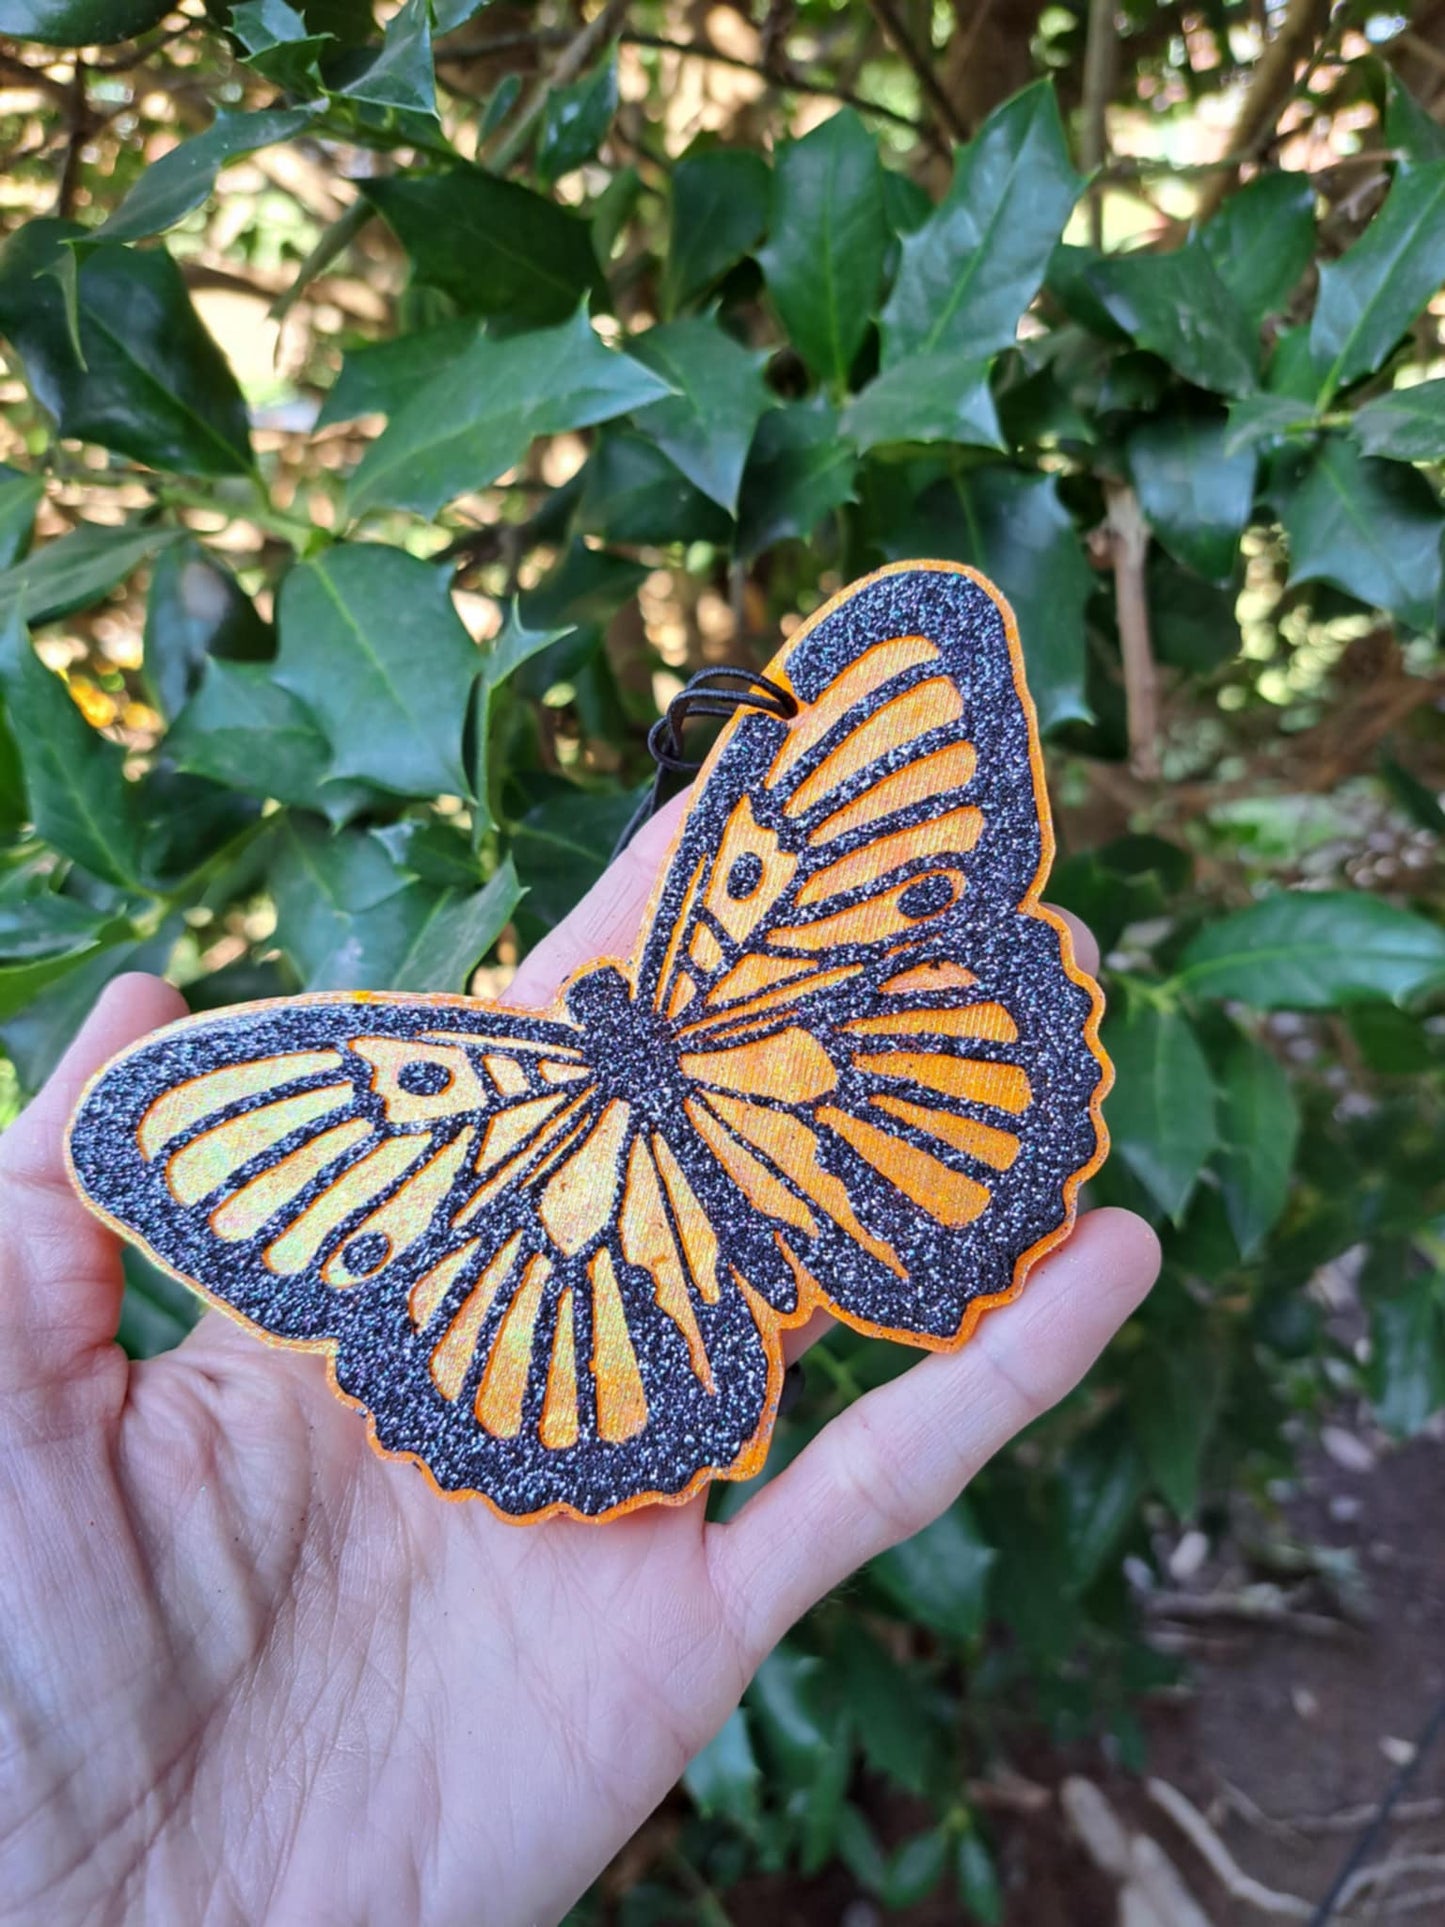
point(711, 692)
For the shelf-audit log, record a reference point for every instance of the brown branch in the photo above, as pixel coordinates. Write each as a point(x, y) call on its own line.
point(1269, 93)
point(1129, 546)
point(78, 127)
point(921, 61)
point(1099, 61)
point(777, 75)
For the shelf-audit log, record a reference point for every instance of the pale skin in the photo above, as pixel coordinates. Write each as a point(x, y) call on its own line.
point(251, 1672)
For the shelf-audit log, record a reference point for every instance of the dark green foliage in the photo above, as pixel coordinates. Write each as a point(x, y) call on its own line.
point(325, 704)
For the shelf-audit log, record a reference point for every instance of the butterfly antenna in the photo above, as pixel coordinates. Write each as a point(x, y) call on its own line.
point(719, 692)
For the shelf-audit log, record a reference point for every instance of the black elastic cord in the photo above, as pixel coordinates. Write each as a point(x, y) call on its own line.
point(719, 692)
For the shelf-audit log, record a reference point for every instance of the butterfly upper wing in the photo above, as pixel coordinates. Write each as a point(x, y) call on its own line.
point(508, 1266)
point(895, 1060)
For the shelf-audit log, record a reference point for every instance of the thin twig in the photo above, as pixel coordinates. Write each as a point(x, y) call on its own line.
point(1220, 1861)
point(1099, 51)
point(573, 58)
point(1129, 548)
point(78, 129)
point(783, 77)
point(921, 60)
point(1269, 90)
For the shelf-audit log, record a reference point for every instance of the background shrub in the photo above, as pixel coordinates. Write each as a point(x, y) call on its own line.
point(400, 406)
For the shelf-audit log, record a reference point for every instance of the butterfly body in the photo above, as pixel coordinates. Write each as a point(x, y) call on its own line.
point(852, 1065)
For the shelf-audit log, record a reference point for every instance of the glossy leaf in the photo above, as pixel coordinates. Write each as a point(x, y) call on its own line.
point(1102, 1476)
point(1407, 1350)
point(916, 1868)
point(1257, 419)
point(561, 847)
point(279, 45)
point(940, 1576)
point(20, 496)
point(149, 382)
point(889, 1708)
point(182, 179)
point(401, 75)
point(1172, 1401)
point(79, 799)
point(350, 918)
point(828, 237)
point(1160, 1113)
point(495, 247)
point(1372, 528)
point(928, 398)
point(1315, 950)
point(1369, 297)
point(575, 121)
point(634, 493)
point(1178, 307)
point(1414, 134)
point(1259, 1127)
point(372, 644)
point(195, 609)
point(717, 214)
point(1197, 496)
point(1262, 240)
point(724, 1779)
point(706, 425)
point(36, 1037)
point(79, 23)
point(377, 379)
point(1408, 424)
point(478, 416)
point(1014, 527)
point(977, 1880)
point(243, 729)
point(799, 471)
point(970, 271)
point(80, 568)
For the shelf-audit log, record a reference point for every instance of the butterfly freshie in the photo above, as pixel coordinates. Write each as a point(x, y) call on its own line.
point(852, 1065)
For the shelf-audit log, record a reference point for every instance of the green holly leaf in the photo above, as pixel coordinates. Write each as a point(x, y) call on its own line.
point(1259, 1126)
point(1371, 528)
point(1408, 424)
point(479, 415)
point(724, 1779)
point(20, 496)
point(372, 644)
point(1197, 496)
point(244, 730)
point(1161, 1111)
point(1013, 527)
point(494, 247)
point(828, 243)
point(940, 1577)
point(705, 427)
point(575, 122)
point(633, 493)
point(195, 609)
point(79, 568)
point(402, 75)
point(1262, 240)
point(1177, 306)
point(378, 378)
point(279, 45)
point(717, 214)
point(799, 470)
point(1315, 950)
point(929, 398)
point(1369, 297)
point(185, 177)
point(79, 23)
point(148, 380)
point(79, 799)
point(1416, 135)
point(967, 275)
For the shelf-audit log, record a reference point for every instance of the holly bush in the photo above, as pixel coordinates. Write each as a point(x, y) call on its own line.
point(401, 404)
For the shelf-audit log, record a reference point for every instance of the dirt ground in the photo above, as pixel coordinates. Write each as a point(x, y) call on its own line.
point(1315, 1649)
point(1308, 1690)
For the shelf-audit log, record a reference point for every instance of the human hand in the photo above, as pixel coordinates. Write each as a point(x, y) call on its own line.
point(252, 1672)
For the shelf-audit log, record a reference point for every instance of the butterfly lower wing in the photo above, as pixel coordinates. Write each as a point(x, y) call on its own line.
point(440, 1196)
point(895, 1057)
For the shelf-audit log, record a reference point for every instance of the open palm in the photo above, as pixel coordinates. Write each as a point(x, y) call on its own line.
point(249, 1671)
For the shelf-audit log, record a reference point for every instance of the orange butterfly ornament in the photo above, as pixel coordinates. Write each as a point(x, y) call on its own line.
point(852, 1065)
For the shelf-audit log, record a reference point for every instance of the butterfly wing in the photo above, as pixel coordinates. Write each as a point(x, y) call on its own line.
point(505, 1265)
point(894, 1057)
